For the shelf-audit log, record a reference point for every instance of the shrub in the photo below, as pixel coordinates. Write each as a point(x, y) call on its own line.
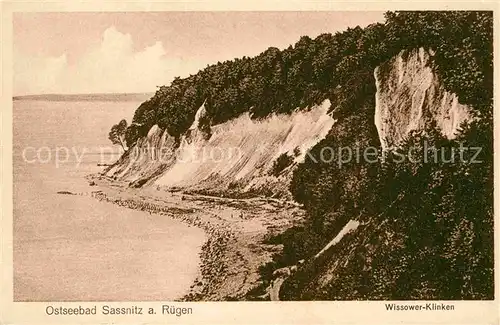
point(280, 164)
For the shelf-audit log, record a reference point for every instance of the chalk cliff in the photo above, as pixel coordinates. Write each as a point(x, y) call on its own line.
point(238, 155)
point(410, 96)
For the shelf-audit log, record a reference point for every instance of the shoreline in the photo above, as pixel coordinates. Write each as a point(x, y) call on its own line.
point(213, 247)
point(235, 228)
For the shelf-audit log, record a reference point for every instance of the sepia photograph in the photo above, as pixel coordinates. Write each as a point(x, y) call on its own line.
point(209, 156)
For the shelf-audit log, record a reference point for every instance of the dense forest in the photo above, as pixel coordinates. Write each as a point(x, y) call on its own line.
point(441, 213)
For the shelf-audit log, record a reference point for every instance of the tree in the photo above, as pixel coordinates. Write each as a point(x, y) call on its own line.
point(117, 133)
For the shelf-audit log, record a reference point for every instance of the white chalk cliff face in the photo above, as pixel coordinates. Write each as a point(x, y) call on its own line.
point(410, 96)
point(146, 158)
point(238, 155)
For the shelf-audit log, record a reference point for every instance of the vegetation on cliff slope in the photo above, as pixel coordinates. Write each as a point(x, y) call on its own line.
point(436, 238)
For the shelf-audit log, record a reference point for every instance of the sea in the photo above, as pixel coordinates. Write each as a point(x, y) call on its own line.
point(73, 247)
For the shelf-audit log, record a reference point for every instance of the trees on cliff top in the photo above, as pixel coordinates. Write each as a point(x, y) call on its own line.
point(279, 81)
point(117, 134)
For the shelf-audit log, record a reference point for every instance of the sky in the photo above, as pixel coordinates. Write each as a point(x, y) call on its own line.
point(137, 51)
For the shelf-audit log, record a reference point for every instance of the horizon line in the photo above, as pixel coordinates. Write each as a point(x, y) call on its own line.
point(121, 96)
point(72, 94)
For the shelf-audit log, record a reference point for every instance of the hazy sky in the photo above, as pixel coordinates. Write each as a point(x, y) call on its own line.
point(135, 52)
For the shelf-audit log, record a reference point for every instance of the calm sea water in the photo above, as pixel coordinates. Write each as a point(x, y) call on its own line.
point(75, 248)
